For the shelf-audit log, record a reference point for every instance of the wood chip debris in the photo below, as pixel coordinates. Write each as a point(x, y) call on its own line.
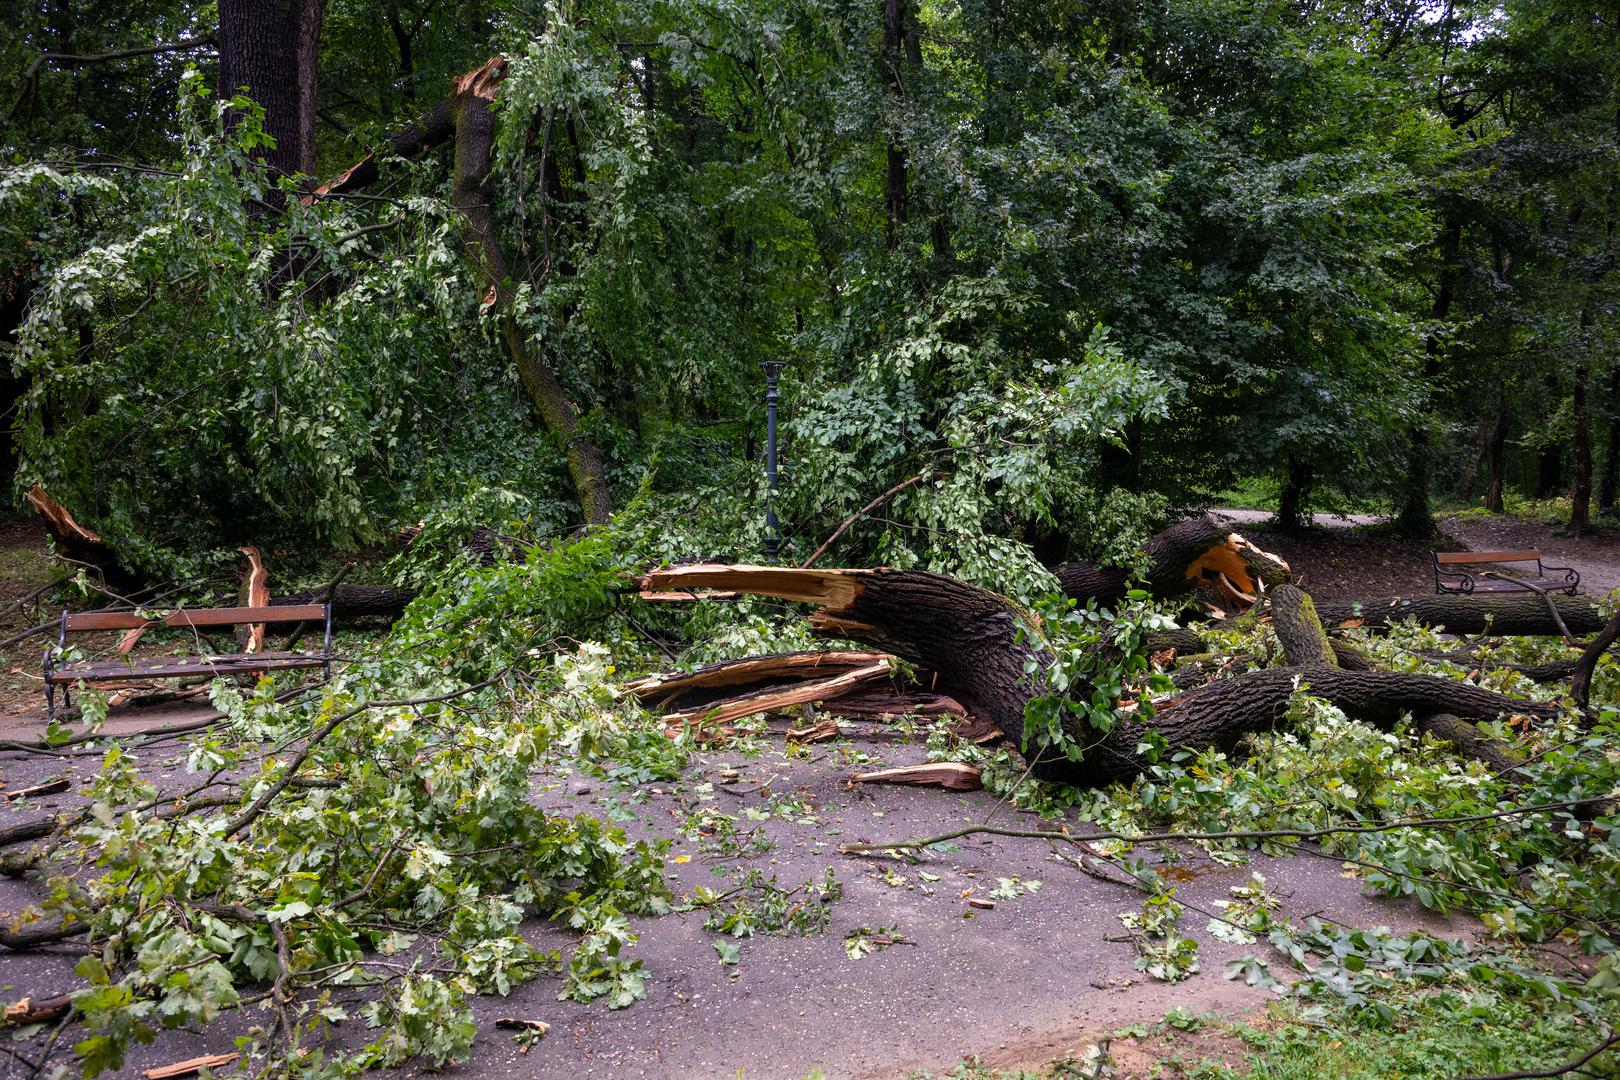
point(190, 1067)
point(952, 775)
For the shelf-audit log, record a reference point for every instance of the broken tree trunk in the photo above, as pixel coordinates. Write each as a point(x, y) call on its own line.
point(468, 117)
point(973, 638)
point(76, 543)
point(1180, 558)
point(1496, 613)
point(255, 592)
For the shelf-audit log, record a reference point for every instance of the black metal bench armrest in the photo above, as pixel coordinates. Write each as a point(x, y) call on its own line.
point(1464, 581)
point(1572, 576)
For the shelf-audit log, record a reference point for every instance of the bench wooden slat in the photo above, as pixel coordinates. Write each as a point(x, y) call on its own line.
point(105, 620)
point(1458, 558)
point(79, 621)
point(170, 667)
point(235, 616)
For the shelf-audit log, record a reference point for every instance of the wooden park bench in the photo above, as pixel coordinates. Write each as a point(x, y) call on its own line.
point(125, 670)
point(1547, 579)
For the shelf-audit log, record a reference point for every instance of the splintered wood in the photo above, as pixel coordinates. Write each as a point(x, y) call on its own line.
point(951, 775)
point(826, 588)
point(775, 699)
point(753, 669)
point(190, 1067)
point(255, 593)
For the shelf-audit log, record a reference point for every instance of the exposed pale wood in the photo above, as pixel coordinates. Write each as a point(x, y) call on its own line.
point(685, 597)
point(829, 588)
point(798, 665)
point(776, 698)
point(255, 594)
point(1180, 559)
point(190, 1067)
point(953, 775)
point(824, 729)
point(44, 1011)
point(49, 787)
point(57, 517)
point(131, 638)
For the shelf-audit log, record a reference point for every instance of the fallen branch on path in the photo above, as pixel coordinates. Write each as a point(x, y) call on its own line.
point(919, 843)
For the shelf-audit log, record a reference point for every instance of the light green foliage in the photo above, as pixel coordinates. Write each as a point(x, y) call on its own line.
point(1090, 647)
point(405, 841)
point(867, 940)
point(759, 905)
point(1162, 951)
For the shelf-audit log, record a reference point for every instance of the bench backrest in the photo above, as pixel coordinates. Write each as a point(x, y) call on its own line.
point(1458, 558)
point(80, 621)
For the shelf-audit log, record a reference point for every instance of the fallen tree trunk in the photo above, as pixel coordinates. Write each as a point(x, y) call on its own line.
point(1496, 613)
point(1180, 558)
point(992, 660)
point(351, 602)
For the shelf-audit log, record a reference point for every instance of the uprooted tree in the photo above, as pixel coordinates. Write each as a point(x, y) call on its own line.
point(990, 655)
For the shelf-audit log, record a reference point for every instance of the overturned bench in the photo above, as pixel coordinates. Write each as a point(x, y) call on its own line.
point(203, 666)
point(1547, 579)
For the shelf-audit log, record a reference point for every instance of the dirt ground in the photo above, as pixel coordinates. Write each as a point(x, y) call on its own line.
point(1354, 558)
point(1036, 977)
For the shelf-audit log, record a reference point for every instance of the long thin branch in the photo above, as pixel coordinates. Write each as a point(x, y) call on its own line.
point(926, 474)
point(78, 59)
point(1259, 834)
point(1581, 681)
point(1562, 1070)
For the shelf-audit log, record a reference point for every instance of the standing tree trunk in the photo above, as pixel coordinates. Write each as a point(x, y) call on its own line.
point(1465, 486)
point(269, 48)
point(902, 55)
point(1496, 460)
point(1611, 453)
point(1416, 518)
point(1580, 512)
point(1292, 515)
point(895, 192)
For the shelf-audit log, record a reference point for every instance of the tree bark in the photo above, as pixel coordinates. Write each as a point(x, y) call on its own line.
point(1465, 486)
point(1179, 557)
point(991, 660)
point(1299, 629)
point(1415, 518)
point(1500, 613)
point(895, 194)
point(352, 602)
point(468, 117)
point(1608, 492)
point(270, 48)
point(1497, 461)
point(1580, 513)
point(1291, 513)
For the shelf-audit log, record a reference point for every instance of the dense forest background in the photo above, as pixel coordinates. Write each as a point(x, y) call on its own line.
point(296, 273)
